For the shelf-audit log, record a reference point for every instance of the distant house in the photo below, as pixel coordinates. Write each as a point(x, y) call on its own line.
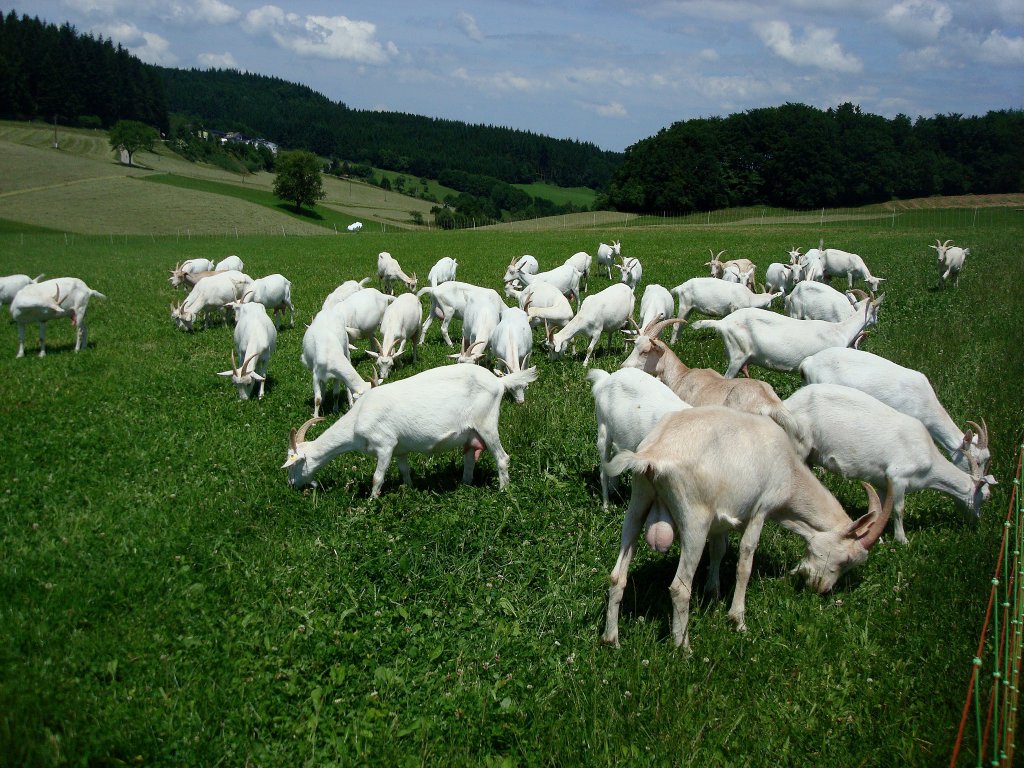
point(226, 136)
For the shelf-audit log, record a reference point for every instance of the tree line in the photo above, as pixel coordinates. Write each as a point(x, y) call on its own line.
point(797, 156)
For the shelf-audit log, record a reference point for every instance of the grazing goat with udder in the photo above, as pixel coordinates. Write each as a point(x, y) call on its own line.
point(705, 471)
point(275, 293)
point(255, 339)
point(951, 261)
point(210, 295)
point(449, 300)
point(390, 271)
point(628, 403)
point(49, 300)
point(606, 255)
point(906, 390)
point(705, 386)
point(857, 436)
point(441, 408)
point(325, 352)
point(11, 284)
point(400, 323)
point(606, 311)
point(781, 343)
point(715, 297)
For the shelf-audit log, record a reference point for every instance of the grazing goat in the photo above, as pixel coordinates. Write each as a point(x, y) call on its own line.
point(48, 300)
point(606, 311)
point(511, 343)
point(581, 261)
point(478, 323)
point(857, 436)
point(189, 267)
point(442, 271)
point(734, 270)
point(628, 403)
point(812, 265)
point(343, 291)
point(229, 263)
point(400, 323)
point(705, 386)
point(565, 278)
point(544, 302)
point(526, 263)
point(11, 284)
point(255, 339)
point(364, 311)
point(606, 255)
point(449, 300)
point(820, 301)
point(211, 294)
point(632, 271)
point(781, 343)
point(782, 277)
point(951, 261)
point(836, 263)
point(439, 409)
point(707, 470)
point(715, 297)
point(390, 271)
point(325, 352)
point(906, 390)
point(275, 293)
point(656, 304)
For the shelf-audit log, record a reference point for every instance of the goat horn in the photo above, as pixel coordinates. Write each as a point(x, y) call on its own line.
point(56, 296)
point(299, 435)
point(636, 327)
point(946, 244)
point(652, 331)
point(476, 344)
point(234, 365)
point(503, 362)
point(873, 533)
point(859, 293)
point(245, 363)
point(981, 432)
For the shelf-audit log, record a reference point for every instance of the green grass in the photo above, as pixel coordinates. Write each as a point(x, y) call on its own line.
point(580, 196)
point(169, 600)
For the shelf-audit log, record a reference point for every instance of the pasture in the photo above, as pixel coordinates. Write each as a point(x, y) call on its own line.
point(169, 600)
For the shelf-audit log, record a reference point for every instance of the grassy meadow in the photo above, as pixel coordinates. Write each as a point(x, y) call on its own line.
point(169, 600)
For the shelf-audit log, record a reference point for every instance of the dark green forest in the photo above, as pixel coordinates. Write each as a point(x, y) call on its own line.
point(790, 156)
point(796, 156)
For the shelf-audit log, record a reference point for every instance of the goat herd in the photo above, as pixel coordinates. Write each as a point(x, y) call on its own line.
point(708, 453)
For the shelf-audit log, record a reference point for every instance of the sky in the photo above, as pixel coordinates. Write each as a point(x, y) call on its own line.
point(609, 72)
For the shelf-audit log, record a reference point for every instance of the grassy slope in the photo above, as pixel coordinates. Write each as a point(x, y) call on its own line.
point(171, 601)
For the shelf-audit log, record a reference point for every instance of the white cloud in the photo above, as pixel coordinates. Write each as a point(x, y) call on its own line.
point(497, 81)
point(999, 50)
point(610, 109)
point(148, 46)
point(467, 24)
point(918, 19)
point(325, 37)
point(817, 49)
point(217, 61)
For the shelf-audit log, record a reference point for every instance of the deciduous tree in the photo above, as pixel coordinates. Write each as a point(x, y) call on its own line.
point(299, 178)
point(130, 136)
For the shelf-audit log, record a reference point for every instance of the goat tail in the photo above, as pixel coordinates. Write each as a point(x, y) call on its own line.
point(97, 295)
point(597, 375)
point(792, 426)
point(705, 324)
point(425, 290)
point(519, 378)
point(637, 462)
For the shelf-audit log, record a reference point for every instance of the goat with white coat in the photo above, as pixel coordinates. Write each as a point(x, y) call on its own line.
point(441, 408)
point(606, 311)
point(656, 304)
point(857, 436)
point(705, 471)
point(275, 293)
point(632, 271)
point(581, 262)
point(229, 263)
point(364, 311)
point(51, 299)
point(628, 403)
point(478, 323)
point(442, 271)
point(526, 263)
point(325, 352)
point(606, 255)
point(837, 263)
point(449, 300)
point(820, 301)
point(565, 278)
point(906, 390)
point(343, 291)
point(718, 298)
point(390, 271)
point(733, 270)
point(255, 339)
point(511, 343)
point(11, 284)
point(400, 324)
point(782, 277)
point(544, 302)
point(781, 343)
point(188, 267)
point(212, 294)
point(951, 261)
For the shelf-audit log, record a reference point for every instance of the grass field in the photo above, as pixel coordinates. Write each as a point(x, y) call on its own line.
point(169, 600)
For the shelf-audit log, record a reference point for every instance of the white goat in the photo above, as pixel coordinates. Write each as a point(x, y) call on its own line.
point(813, 265)
point(606, 255)
point(210, 295)
point(782, 277)
point(544, 302)
point(837, 263)
point(325, 352)
point(511, 343)
point(781, 343)
point(275, 293)
point(906, 390)
point(343, 291)
point(656, 304)
point(229, 263)
point(733, 270)
point(442, 271)
point(820, 301)
point(364, 311)
point(857, 436)
point(255, 339)
point(449, 300)
point(48, 300)
point(951, 261)
point(11, 284)
point(606, 311)
point(390, 271)
point(718, 298)
point(628, 403)
point(632, 271)
point(478, 323)
point(189, 267)
point(565, 278)
point(704, 471)
point(581, 262)
point(526, 263)
point(441, 408)
point(400, 323)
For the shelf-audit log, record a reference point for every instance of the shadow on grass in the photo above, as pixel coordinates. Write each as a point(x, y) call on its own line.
point(302, 213)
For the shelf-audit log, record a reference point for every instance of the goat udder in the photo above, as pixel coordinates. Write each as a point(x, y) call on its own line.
point(476, 445)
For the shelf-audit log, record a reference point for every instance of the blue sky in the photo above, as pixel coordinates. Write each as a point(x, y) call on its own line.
point(611, 73)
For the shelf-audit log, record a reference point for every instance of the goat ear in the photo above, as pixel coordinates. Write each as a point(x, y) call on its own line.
point(990, 480)
point(371, 353)
point(860, 527)
point(293, 458)
point(257, 377)
point(226, 373)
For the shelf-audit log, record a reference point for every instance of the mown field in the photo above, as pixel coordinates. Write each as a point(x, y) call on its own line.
point(169, 600)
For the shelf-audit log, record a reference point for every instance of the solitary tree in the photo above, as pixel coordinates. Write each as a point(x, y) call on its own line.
point(298, 178)
point(130, 136)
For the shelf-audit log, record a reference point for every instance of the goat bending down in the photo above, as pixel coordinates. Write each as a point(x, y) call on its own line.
point(48, 300)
